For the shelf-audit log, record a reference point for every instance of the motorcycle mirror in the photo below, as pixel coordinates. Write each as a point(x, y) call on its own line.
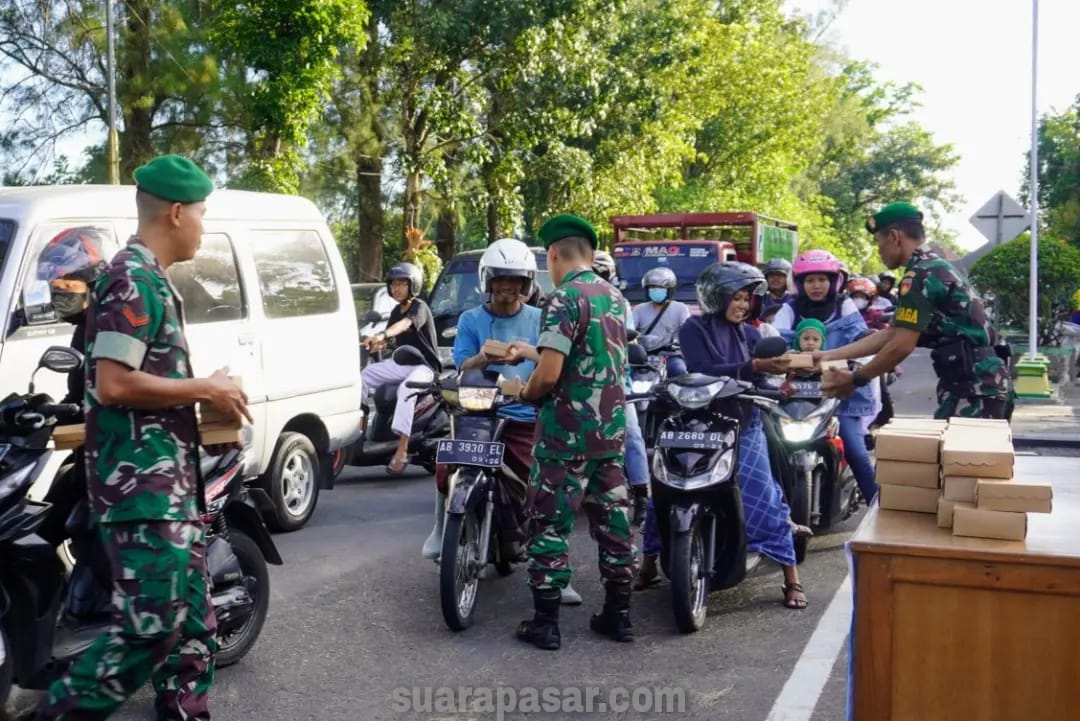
point(58, 359)
point(637, 354)
point(773, 347)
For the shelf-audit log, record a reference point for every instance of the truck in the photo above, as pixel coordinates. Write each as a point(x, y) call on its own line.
point(690, 242)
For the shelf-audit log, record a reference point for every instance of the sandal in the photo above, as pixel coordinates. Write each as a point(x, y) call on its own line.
point(397, 464)
point(790, 600)
point(800, 531)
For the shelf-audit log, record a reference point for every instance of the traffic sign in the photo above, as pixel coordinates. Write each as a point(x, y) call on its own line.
point(1001, 219)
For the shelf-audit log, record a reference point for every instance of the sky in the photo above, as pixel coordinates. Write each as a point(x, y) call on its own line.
point(973, 61)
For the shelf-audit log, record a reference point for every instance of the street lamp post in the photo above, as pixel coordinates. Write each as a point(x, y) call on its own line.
point(110, 69)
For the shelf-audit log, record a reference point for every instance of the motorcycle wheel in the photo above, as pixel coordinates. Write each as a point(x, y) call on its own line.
point(6, 670)
point(689, 580)
point(800, 512)
point(235, 646)
point(459, 580)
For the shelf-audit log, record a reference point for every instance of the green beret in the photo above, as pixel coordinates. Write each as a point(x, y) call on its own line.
point(565, 226)
point(892, 213)
point(174, 178)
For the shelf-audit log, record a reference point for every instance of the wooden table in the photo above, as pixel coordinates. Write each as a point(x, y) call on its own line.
point(965, 629)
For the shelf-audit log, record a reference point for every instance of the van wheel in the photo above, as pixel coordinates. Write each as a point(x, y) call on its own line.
point(292, 482)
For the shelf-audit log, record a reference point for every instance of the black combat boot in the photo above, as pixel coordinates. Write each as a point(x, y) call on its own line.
point(614, 621)
point(543, 630)
point(641, 500)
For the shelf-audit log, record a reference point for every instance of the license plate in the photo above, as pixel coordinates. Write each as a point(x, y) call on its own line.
point(807, 388)
point(470, 453)
point(692, 439)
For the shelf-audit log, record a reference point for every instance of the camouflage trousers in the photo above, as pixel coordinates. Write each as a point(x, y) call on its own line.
point(557, 489)
point(989, 396)
point(163, 628)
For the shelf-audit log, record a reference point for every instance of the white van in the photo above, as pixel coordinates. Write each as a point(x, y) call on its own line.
point(267, 296)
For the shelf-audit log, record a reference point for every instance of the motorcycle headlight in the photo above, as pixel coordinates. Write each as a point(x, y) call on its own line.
point(641, 386)
point(477, 399)
point(11, 483)
point(696, 396)
point(722, 469)
point(802, 430)
point(719, 473)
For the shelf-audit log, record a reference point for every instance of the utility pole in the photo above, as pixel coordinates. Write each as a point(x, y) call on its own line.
point(110, 69)
point(1034, 309)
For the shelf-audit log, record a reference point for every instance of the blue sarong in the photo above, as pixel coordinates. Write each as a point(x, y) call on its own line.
point(768, 531)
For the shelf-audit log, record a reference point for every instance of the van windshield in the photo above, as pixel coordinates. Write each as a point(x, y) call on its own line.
point(7, 232)
point(687, 260)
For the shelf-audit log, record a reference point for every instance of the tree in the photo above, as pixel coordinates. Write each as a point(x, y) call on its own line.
point(1059, 173)
point(1005, 270)
point(288, 51)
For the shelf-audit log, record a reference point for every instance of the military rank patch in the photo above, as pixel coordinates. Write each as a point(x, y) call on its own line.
point(905, 285)
point(907, 315)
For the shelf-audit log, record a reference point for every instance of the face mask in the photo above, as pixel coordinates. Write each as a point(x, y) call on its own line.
point(657, 295)
point(861, 303)
point(68, 305)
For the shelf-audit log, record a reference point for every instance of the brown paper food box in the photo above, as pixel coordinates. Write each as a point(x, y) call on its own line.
point(511, 386)
point(908, 498)
point(930, 424)
point(213, 434)
point(496, 348)
point(981, 523)
point(945, 509)
point(1017, 496)
point(981, 424)
point(800, 360)
point(906, 473)
point(70, 436)
point(962, 488)
point(210, 415)
point(907, 445)
point(978, 455)
point(833, 365)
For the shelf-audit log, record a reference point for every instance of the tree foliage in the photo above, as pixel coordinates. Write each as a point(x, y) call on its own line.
point(1059, 173)
point(1005, 270)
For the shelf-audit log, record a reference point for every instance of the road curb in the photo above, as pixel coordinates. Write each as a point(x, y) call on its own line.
point(1046, 440)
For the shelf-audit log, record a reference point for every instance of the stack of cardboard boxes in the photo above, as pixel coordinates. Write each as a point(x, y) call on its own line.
point(962, 470)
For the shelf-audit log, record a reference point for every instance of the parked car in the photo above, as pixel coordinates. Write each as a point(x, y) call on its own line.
point(457, 289)
point(266, 296)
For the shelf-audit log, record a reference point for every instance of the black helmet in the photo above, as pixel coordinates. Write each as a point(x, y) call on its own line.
point(409, 272)
point(776, 265)
point(888, 275)
point(720, 281)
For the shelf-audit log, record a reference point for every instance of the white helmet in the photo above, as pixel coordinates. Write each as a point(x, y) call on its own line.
point(505, 258)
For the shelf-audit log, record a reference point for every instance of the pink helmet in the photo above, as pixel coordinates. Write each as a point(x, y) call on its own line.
point(819, 261)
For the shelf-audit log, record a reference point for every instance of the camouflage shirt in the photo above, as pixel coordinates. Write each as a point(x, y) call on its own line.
point(936, 301)
point(584, 417)
point(141, 464)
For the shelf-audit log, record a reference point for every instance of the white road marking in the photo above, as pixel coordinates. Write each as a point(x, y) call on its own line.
point(800, 694)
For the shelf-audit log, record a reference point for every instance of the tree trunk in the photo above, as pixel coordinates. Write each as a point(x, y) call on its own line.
point(411, 215)
point(446, 232)
point(134, 75)
point(370, 217)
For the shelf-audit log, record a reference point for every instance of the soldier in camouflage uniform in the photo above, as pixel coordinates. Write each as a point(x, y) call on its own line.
point(581, 429)
point(937, 309)
point(142, 467)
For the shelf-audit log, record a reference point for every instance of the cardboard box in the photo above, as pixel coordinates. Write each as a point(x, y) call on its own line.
point(997, 424)
point(982, 523)
point(212, 416)
point(906, 473)
point(977, 455)
point(800, 360)
point(496, 349)
point(908, 498)
point(920, 424)
point(1016, 496)
point(511, 386)
point(898, 444)
point(214, 434)
point(840, 365)
point(945, 510)
point(962, 488)
point(68, 437)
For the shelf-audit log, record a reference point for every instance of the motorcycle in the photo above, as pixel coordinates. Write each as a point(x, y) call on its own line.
point(646, 372)
point(807, 458)
point(695, 492)
point(49, 616)
point(431, 423)
point(479, 493)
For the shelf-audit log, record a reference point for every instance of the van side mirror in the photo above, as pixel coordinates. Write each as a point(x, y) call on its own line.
point(37, 303)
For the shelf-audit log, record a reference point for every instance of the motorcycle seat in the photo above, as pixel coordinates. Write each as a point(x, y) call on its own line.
point(385, 397)
point(693, 380)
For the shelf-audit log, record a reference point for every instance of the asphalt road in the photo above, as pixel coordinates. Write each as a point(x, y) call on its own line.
point(355, 615)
